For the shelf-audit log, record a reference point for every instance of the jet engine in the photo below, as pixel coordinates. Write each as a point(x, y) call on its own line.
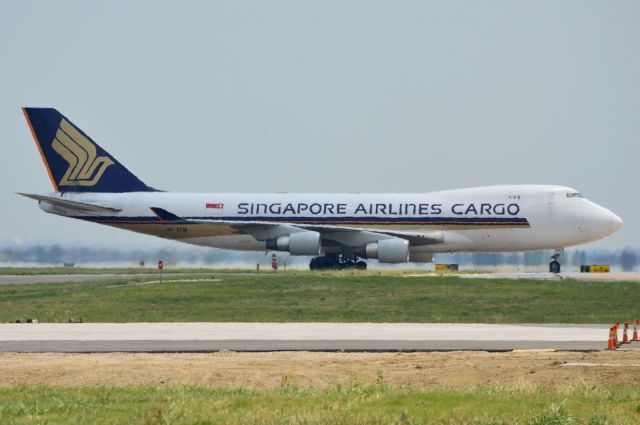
point(300, 243)
point(393, 250)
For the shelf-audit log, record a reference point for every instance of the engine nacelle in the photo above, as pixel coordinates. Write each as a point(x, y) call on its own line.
point(394, 250)
point(300, 243)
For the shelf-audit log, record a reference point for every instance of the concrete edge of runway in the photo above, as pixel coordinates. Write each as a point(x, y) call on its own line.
point(299, 345)
point(256, 337)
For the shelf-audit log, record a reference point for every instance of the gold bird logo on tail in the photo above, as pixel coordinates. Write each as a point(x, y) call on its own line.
point(85, 168)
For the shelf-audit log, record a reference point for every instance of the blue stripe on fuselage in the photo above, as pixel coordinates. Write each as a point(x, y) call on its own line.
point(468, 221)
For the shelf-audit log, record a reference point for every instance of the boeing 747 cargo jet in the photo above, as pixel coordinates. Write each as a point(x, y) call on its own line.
point(338, 230)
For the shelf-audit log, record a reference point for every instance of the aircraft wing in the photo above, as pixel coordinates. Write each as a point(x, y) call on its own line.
point(348, 236)
point(415, 238)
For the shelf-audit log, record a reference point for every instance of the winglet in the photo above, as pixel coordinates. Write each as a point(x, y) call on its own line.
point(165, 215)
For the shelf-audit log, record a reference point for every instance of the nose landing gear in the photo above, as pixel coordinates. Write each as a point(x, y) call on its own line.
point(554, 265)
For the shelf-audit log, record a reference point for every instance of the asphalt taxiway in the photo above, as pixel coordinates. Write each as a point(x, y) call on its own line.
point(199, 337)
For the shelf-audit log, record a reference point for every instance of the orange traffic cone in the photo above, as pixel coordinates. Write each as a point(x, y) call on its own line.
point(625, 338)
point(615, 336)
point(612, 344)
point(635, 330)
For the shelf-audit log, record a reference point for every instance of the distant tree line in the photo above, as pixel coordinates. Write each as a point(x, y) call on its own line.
point(627, 259)
point(57, 254)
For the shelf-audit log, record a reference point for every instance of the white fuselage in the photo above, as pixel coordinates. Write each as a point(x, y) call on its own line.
point(496, 218)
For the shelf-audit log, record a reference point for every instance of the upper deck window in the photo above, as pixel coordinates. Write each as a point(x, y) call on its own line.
point(575, 195)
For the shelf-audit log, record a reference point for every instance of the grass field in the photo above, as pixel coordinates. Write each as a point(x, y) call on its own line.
point(323, 297)
point(354, 403)
point(295, 296)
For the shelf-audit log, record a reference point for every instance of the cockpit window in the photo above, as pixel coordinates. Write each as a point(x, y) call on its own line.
point(575, 195)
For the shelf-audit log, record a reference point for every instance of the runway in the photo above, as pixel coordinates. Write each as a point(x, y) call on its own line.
point(203, 337)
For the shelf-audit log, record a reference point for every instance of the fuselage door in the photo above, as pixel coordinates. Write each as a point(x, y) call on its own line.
point(552, 197)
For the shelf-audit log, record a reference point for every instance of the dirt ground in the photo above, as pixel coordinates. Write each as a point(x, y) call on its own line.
point(319, 370)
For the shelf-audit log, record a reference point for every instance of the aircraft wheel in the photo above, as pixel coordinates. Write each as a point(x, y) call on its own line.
point(554, 267)
point(313, 265)
point(361, 265)
point(324, 263)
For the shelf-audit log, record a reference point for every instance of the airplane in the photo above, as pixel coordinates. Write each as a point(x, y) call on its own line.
point(339, 230)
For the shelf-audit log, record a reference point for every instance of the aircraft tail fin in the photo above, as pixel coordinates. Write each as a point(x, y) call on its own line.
point(74, 161)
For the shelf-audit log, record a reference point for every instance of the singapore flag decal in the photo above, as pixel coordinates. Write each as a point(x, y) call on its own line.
point(217, 206)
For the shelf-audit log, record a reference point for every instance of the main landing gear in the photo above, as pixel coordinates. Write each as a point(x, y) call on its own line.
point(336, 262)
point(554, 265)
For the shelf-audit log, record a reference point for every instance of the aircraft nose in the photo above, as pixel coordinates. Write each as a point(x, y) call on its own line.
point(601, 222)
point(616, 223)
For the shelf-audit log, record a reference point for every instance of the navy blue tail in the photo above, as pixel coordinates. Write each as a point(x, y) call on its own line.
point(74, 161)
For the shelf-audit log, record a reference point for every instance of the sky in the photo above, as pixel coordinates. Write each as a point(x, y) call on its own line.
point(329, 96)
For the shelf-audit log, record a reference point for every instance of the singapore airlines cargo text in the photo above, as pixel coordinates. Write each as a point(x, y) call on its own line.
point(377, 209)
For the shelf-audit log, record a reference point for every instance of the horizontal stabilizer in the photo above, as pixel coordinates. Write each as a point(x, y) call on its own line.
point(82, 207)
